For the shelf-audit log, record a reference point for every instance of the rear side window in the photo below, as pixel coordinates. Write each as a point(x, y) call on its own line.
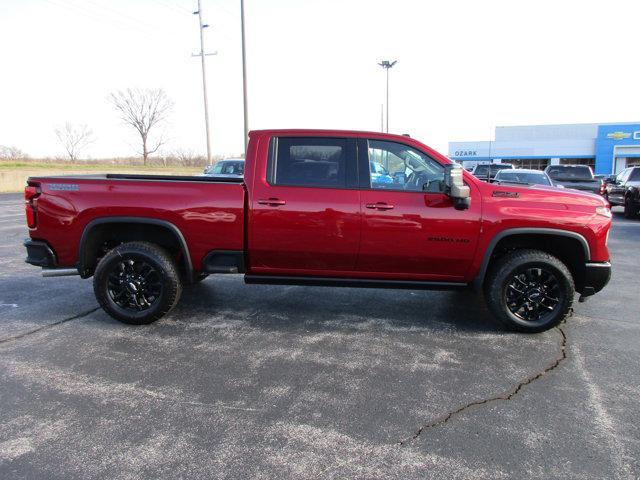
point(309, 162)
point(570, 173)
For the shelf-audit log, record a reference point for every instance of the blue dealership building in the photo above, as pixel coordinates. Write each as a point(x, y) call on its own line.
point(607, 147)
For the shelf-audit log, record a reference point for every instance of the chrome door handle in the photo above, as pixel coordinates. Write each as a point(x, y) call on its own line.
point(272, 202)
point(379, 206)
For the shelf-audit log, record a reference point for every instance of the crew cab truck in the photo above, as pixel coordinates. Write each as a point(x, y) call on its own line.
point(624, 189)
point(577, 177)
point(308, 213)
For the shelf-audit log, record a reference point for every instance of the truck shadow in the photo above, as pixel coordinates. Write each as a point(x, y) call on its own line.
point(274, 307)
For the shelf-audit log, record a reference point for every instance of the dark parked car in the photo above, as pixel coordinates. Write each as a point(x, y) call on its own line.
point(487, 171)
point(625, 190)
point(522, 176)
point(578, 177)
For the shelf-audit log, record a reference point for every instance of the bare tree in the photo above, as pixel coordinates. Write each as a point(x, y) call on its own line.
point(143, 109)
point(74, 138)
point(11, 153)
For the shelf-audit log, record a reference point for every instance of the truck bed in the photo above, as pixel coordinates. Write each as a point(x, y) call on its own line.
point(208, 211)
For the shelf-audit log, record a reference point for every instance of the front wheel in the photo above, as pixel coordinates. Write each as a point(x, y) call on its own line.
point(630, 210)
point(529, 291)
point(137, 283)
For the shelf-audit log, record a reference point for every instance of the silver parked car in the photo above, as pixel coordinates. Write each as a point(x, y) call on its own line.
point(523, 176)
point(231, 167)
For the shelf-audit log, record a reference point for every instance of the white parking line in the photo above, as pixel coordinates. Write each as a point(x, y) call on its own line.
point(14, 227)
point(603, 420)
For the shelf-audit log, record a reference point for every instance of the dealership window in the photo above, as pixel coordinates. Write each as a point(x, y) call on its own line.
point(532, 163)
point(633, 162)
point(590, 162)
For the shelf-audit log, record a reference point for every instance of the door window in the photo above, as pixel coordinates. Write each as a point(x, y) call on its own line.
point(309, 162)
point(395, 166)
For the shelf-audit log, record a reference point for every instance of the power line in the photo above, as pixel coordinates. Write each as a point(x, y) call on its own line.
point(141, 27)
point(172, 6)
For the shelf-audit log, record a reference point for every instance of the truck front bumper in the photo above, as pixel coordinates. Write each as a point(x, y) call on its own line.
point(597, 275)
point(40, 254)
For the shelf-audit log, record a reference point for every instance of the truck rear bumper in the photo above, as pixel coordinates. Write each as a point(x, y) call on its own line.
point(40, 254)
point(597, 275)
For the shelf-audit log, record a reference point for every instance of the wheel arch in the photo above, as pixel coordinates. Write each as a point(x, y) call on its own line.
point(571, 248)
point(120, 229)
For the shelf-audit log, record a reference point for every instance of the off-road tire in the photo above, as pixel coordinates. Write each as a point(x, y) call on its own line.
point(630, 210)
point(167, 277)
point(504, 271)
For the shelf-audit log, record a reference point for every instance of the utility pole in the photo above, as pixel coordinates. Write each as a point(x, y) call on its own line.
point(244, 81)
point(382, 117)
point(386, 64)
point(204, 78)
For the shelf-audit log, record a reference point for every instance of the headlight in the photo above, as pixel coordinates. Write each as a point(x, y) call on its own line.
point(604, 211)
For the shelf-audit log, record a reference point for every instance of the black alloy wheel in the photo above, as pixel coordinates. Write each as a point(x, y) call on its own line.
point(137, 282)
point(134, 284)
point(532, 294)
point(529, 290)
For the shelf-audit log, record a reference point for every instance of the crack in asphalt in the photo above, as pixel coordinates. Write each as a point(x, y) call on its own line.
point(508, 395)
point(48, 326)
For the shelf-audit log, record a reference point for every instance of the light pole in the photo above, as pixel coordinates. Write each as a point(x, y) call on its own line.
point(386, 64)
point(244, 80)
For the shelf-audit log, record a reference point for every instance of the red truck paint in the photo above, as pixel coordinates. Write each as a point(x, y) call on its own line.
point(281, 240)
point(349, 233)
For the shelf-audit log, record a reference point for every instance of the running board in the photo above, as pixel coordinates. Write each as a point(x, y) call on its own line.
point(59, 272)
point(351, 282)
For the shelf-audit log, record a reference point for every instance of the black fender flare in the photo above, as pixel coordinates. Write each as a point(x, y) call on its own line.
point(140, 220)
point(479, 280)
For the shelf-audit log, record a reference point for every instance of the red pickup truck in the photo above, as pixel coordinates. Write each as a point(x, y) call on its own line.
point(335, 208)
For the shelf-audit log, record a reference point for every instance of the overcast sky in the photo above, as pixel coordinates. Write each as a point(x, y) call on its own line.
point(464, 66)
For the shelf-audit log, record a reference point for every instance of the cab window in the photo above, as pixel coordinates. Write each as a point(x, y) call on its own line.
point(395, 166)
point(309, 162)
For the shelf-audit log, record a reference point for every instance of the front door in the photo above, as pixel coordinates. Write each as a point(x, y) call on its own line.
point(305, 209)
point(617, 189)
point(411, 231)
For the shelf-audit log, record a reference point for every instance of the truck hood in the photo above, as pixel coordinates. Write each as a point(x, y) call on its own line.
point(546, 194)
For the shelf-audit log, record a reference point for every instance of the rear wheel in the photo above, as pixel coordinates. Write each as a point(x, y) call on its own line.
point(529, 291)
point(630, 210)
point(137, 283)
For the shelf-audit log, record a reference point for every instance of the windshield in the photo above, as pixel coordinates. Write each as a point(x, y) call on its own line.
point(570, 173)
point(530, 178)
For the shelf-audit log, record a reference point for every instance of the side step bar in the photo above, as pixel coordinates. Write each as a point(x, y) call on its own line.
point(351, 282)
point(59, 272)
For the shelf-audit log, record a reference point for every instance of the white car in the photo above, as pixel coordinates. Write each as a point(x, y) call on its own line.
point(229, 167)
point(523, 176)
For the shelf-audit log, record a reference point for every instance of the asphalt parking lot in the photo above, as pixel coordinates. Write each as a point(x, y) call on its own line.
point(293, 382)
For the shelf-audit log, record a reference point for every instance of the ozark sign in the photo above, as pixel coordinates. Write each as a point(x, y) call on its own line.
point(465, 153)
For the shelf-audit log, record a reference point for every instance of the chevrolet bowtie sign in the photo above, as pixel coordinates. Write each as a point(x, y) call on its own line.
point(618, 135)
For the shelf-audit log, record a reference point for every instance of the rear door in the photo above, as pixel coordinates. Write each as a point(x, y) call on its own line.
point(305, 208)
point(409, 233)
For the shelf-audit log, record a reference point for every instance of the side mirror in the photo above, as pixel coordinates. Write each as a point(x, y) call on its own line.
point(455, 188)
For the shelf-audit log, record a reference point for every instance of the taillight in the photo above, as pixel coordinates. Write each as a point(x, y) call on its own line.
point(30, 193)
point(603, 187)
